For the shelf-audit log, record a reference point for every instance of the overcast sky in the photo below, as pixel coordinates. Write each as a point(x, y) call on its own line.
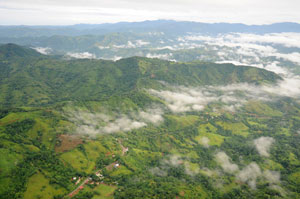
point(63, 12)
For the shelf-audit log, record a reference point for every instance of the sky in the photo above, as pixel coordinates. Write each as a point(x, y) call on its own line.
point(68, 12)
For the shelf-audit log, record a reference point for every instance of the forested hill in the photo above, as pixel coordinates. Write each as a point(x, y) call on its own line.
point(14, 51)
point(29, 79)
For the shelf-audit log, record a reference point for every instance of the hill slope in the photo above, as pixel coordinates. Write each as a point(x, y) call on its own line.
point(14, 51)
point(41, 80)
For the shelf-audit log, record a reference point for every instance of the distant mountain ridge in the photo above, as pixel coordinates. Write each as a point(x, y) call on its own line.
point(167, 26)
point(40, 80)
point(13, 50)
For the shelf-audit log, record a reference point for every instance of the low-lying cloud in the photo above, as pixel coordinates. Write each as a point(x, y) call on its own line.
point(160, 56)
point(99, 123)
point(204, 141)
point(226, 163)
point(42, 50)
point(233, 96)
point(82, 55)
point(129, 44)
point(251, 45)
point(263, 145)
point(250, 174)
point(174, 161)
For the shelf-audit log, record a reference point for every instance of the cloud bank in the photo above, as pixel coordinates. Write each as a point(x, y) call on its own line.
point(183, 99)
point(251, 49)
point(99, 123)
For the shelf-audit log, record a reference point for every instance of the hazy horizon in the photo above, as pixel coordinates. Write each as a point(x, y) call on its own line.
point(46, 12)
point(62, 25)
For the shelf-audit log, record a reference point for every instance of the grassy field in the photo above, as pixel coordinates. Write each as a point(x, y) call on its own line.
point(209, 131)
point(78, 160)
point(38, 187)
point(68, 142)
point(93, 149)
point(104, 191)
point(261, 109)
point(121, 170)
point(178, 122)
point(8, 161)
point(236, 128)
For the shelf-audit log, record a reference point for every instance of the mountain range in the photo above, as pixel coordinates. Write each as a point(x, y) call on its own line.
point(167, 26)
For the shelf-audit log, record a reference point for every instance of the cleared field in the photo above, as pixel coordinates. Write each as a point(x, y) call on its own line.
point(209, 131)
point(68, 142)
point(261, 109)
point(104, 191)
point(38, 187)
point(78, 161)
point(178, 122)
point(236, 128)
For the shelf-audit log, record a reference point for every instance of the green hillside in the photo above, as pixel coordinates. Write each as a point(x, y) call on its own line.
point(13, 51)
point(91, 129)
point(41, 80)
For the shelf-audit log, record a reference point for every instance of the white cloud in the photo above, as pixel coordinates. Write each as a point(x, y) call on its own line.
point(274, 67)
point(98, 123)
point(84, 55)
point(173, 160)
point(263, 145)
point(272, 176)
point(226, 163)
point(184, 99)
point(252, 45)
point(250, 174)
point(122, 124)
point(160, 56)
point(290, 87)
point(293, 57)
point(43, 50)
point(103, 47)
point(115, 58)
point(158, 171)
point(140, 43)
point(286, 39)
point(237, 63)
point(153, 116)
point(129, 44)
point(205, 141)
point(167, 47)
